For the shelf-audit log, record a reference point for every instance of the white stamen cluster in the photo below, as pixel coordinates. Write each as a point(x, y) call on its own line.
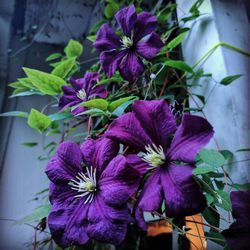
point(126, 42)
point(85, 184)
point(81, 94)
point(154, 156)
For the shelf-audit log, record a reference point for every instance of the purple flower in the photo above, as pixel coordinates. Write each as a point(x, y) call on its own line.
point(139, 41)
point(81, 90)
point(89, 189)
point(237, 236)
point(149, 129)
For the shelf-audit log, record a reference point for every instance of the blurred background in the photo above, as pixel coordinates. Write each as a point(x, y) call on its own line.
point(30, 30)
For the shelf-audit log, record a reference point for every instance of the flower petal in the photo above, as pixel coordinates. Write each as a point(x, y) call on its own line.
point(150, 198)
point(107, 224)
point(98, 153)
point(118, 182)
point(237, 236)
point(66, 101)
point(240, 203)
point(137, 163)
point(149, 48)
point(127, 130)
point(182, 194)
point(126, 18)
point(88, 81)
point(106, 39)
point(65, 165)
point(110, 61)
point(193, 134)
point(131, 67)
point(156, 119)
point(144, 25)
point(99, 91)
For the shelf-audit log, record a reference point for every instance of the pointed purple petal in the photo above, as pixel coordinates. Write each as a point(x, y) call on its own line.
point(68, 101)
point(107, 224)
point(118, 182)
point(99, 91)
point(98, 153)
point(110, 61)
point(137, 163)
point(65, 164)
point(156, 119)
point(144, 25)
point(131, 67)
point(126, 18)
point(182, 194)
point(150, 198)
point(127, 130)
point(193, 134)
point(149, 48)
point(106, 39)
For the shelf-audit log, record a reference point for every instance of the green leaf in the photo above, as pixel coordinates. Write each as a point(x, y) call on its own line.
point(26, 93)
point(64, 68)
point(47, 83)
point(211, 157)
point(73, 48)
point(176, 41)
point(164, 14)
point(111, 8)
point(179, 65)
point(111, 79)
point(53, 57)
point(60, 116)
point(91, 38)
point(203, 170)
point(16, 114)
point(244, 187)
point(216, 237)
point(38, 214)
point(30, 144)
point(209, 198)
point(93, 112)
point(228, 155)
point(121, 109)
point(229, 79)
point(211, 216)
point(38, 120)
point(115, 104)
point(95, 103)
point(243, 150)
point(223, 200)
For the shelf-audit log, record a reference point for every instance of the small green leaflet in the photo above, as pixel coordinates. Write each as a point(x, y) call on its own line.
point(223, 200)
point(38, 214)
point(30, 144)
point(211, 157)
point(16, 114)
point(177, 64)
point(229, 79)
point(53, 57)
point(47, 83)
point(63, 69)
point(176, 41)
point(115, 104)
point(60, 116)
point(111, 8)
point(98, 103)
point(203, 170)
point(38, 120)
point(243, 150)
point(244, 187)
point(73, 48)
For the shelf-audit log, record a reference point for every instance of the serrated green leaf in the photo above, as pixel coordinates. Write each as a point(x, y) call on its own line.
point(73, 48)
point(47, 83)
point(53, 57)
point(38, 214)
point(177, 64)
point(211, 157)
point(16, 114)
point(229, 79)
point(176, 41)
point(115, 104)
point(38, 120)
point(96, 103)
point(63, 69)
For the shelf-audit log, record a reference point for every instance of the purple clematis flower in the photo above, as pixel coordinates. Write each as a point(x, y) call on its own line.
point(89, 189)
point(149, 129)
point(237, 236)
point(139, 41)
point(82, 90)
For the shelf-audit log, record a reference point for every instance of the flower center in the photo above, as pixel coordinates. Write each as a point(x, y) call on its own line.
point(127, 42)
point(81, 94)
point(85, 184)
point(154, 156)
